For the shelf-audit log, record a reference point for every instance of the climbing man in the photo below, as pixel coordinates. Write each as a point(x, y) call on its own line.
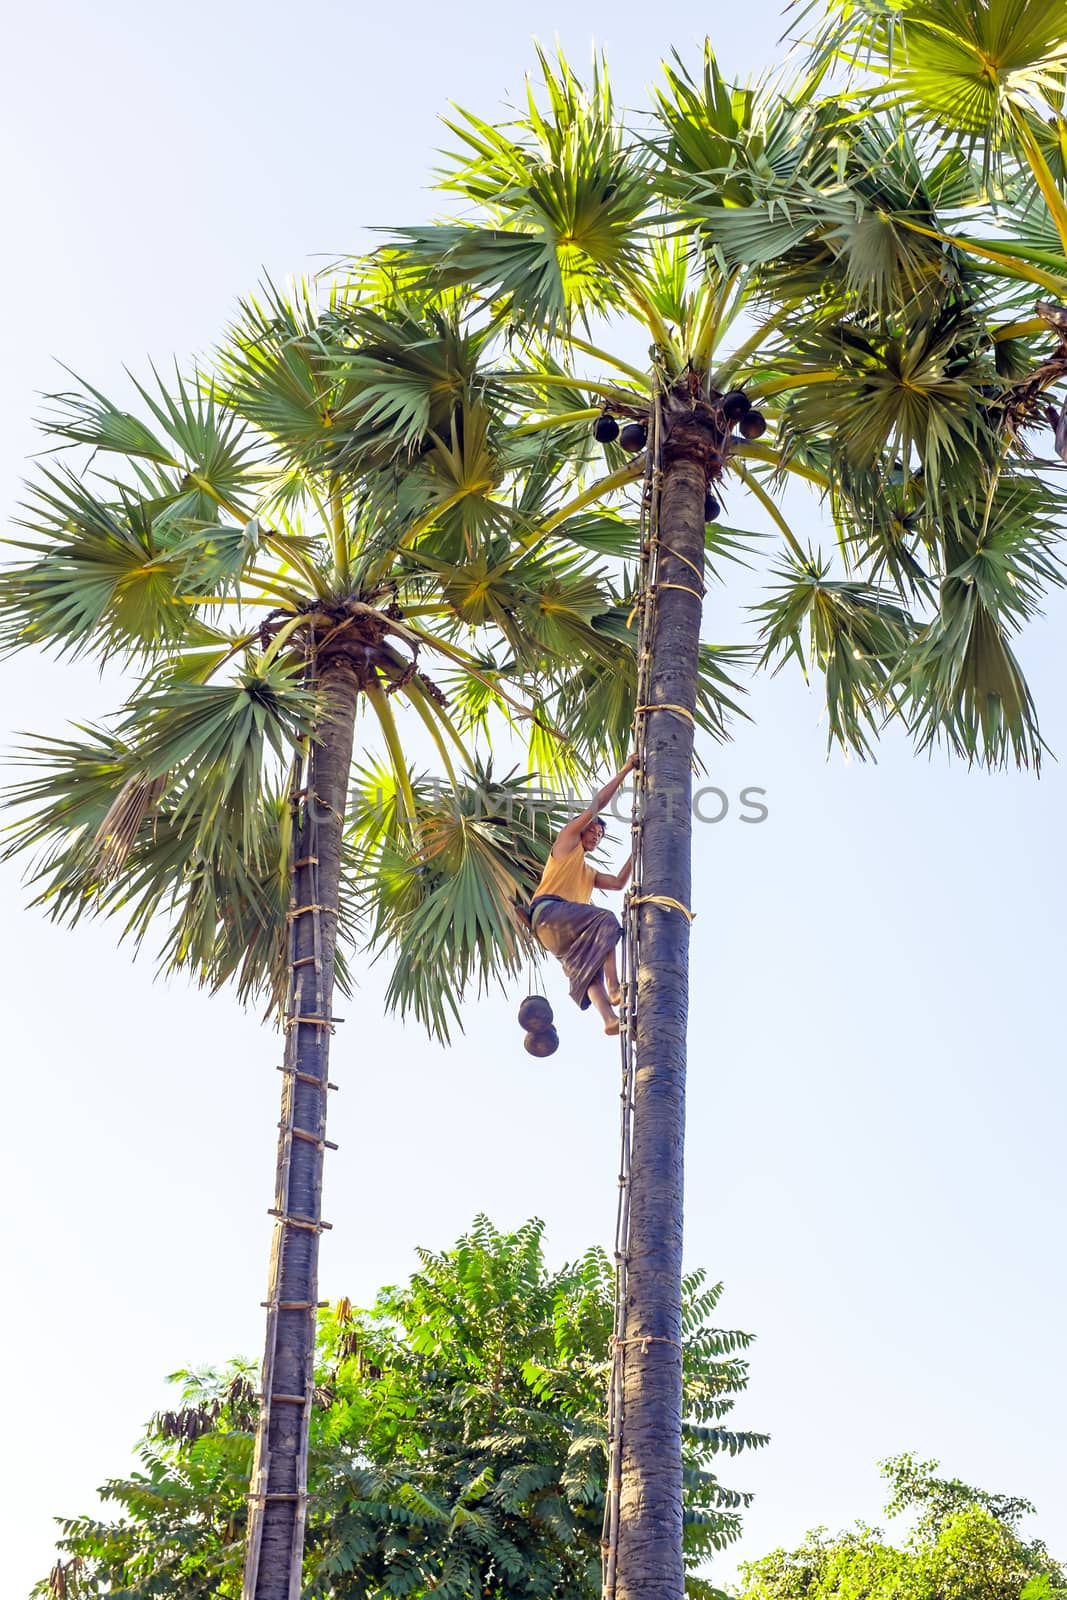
point(582, 936)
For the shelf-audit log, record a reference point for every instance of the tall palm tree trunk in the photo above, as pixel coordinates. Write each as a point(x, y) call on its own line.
point(650, 1535)
point(278, 1499)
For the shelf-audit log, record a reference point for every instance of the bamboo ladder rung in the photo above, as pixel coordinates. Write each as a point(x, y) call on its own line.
point(294, 1305)
point(295, 1221)
point(287, 1399)
point(311, 1138)
point(306, 1077)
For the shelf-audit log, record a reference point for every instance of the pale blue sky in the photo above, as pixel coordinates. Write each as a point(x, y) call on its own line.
point(876, 1116)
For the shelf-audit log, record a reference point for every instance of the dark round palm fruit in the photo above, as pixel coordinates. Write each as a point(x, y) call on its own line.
point(535, 1013)
point(734, 405)
point(634, 437)
point(543, 1043)
point(711, 507)
point(753, 424)
point(605, 429)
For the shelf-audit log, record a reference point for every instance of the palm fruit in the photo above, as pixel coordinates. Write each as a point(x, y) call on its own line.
point(605, 429)
point(734, 405)
point(633, 437)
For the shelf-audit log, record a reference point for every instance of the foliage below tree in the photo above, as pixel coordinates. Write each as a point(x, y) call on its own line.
point(965, 1546)
point(457, 1446)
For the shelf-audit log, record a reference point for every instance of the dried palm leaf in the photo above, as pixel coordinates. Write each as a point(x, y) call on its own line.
point(116, 835)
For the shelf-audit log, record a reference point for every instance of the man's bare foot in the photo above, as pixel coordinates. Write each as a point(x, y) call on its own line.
point(615, 996)
point(612, 1027)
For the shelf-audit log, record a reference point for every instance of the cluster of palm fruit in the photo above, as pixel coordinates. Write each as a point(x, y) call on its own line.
point(737, 412)
point(535, 1015)
point(633, 436)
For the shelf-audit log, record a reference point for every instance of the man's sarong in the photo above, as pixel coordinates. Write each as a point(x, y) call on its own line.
point(580, 937)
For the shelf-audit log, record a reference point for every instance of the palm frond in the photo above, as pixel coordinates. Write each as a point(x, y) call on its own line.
point(204, 442)
point(961, 676)
point(853, 633)
point(567, 197)
point(443, 895)
point(96, 575)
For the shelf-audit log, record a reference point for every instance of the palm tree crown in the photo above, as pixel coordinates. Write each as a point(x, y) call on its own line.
point(348, 482)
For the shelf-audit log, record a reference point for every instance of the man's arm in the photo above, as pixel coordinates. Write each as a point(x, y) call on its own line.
point(569, 835)
point(616, 880)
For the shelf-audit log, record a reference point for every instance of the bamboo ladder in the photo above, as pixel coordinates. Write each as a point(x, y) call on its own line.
point(645, 607)
point(306, 985)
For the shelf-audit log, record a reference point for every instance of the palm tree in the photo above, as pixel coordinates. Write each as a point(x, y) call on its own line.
point(816, 317)
point(341, 516)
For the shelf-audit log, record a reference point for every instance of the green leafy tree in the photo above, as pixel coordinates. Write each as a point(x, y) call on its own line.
point(457, 1445)
point(965, 1546)
point(816, 313)
point(341, 517)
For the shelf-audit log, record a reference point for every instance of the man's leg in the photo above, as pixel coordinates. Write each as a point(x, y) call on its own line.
point(598, 994)
point(611, 979)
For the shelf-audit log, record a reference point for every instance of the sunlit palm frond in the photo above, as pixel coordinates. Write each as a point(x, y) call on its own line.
point(211, 459)
point(969, 67)
point(407, 369)
point(604, 532)
point(522, 268)
point(95, 576)
point(851, 230)
point(566, 198)
point(989, 76)
point(704, 119)
point(916, 395)
point(277, 370)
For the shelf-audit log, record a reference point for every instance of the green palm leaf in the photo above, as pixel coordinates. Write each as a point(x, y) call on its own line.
point(441, 897)
point(853, 633)
point(961, 675)
point(97, 576)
